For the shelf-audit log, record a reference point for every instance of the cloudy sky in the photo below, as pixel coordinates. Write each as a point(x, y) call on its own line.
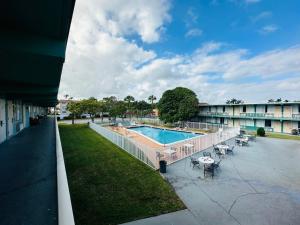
point(247, 49)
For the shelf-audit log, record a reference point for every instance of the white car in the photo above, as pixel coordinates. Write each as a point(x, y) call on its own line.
point(85, 115)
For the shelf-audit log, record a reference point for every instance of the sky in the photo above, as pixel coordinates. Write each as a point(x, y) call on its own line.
point(221, 49)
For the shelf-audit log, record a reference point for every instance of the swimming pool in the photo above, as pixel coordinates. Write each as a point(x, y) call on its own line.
point(163, 136)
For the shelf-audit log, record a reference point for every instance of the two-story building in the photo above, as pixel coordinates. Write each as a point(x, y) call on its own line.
point(280, 117)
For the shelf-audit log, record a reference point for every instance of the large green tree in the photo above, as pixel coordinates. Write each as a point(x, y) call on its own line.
point(91, 106)
point(179, 104)
point(76, 109)
point(142, 108)
point(118, 109)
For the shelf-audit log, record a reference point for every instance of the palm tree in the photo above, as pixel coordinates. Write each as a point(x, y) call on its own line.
point(129, 99)
point(152, 98)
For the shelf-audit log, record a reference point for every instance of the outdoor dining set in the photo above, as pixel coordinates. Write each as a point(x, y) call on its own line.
point(212, 164)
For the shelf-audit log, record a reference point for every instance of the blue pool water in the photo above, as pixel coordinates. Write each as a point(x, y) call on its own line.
point(164, 136)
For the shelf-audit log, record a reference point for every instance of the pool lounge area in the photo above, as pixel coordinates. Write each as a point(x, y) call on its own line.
point(164, 136)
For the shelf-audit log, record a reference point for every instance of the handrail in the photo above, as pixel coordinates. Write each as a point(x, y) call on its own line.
point(65, 211)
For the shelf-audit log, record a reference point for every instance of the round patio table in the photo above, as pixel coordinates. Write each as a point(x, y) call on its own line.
point(206, 160)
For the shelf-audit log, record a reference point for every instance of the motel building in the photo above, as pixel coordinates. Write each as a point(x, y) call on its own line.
point(33, 183)
point(280, 117)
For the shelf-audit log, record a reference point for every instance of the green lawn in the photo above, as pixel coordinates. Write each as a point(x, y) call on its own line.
point(107, 185)
point(283, 136)
point(280, 136)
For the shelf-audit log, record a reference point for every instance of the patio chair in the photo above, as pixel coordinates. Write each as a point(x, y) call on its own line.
point(237, 141)
point(215, 147)
point(206, 154)
point(209, 169)
point(230, 150)
point(218, 153)
point(194, 162)
point(216, 165)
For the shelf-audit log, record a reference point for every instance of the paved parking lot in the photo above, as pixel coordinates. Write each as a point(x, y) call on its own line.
point(259, 184)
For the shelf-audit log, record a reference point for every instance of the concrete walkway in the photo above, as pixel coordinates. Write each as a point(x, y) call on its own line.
point(28, 192)
point(259, 184)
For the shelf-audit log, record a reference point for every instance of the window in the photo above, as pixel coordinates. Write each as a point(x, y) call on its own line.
point(268, 123)
point(298, 108)
point(223, 109)
point(244, 109)
point(299, 125)
point(209, 109)
point(266, 109)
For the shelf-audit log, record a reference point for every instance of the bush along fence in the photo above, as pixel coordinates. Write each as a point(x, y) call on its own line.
point(169, 152)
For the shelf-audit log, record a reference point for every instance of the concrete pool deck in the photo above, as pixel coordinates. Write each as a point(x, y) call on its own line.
point(259, 184)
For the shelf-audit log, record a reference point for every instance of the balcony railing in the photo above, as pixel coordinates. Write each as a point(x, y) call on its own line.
point(268, 115)
point(214, 113)
point(252, 115)
point(296, 116)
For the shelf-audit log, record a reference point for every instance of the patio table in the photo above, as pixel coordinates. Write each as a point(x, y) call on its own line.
point(206, 160)
point(223, 148)
point(242, 140)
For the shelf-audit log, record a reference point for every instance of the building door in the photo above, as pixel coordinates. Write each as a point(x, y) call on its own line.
point(10, 118)
point(222, 120)
point(2, 121)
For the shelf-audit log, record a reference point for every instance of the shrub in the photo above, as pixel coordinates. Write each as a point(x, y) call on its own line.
point(261, 132)
point(295, 132)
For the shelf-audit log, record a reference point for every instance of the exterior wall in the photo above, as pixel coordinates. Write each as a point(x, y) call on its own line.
point(236, 110)
point(276, 125)
point(2, 121)
point(14, 117)
point(287, 111)
point(277, 111)
point(230, 122)
point(260, 109)
point(229, 110)
point(10, 118)
point(271, 109)
point(260, 123)
point(250, 109)
point(287, 127)
point(236, 122)
point(296, 110)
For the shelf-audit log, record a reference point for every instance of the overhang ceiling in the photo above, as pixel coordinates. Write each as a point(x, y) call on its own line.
point(33, 39)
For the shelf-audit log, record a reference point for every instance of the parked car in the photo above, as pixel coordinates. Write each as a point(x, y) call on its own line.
point(85, 115)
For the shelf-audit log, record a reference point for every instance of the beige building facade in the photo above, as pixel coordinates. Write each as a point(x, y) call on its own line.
point(280, 117)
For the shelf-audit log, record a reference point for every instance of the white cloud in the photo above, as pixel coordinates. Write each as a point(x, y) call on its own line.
point(101, 62)
point(119, 18)
point(251, 1)
point(268, 29)
point(261, 16)
point(195, 32)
